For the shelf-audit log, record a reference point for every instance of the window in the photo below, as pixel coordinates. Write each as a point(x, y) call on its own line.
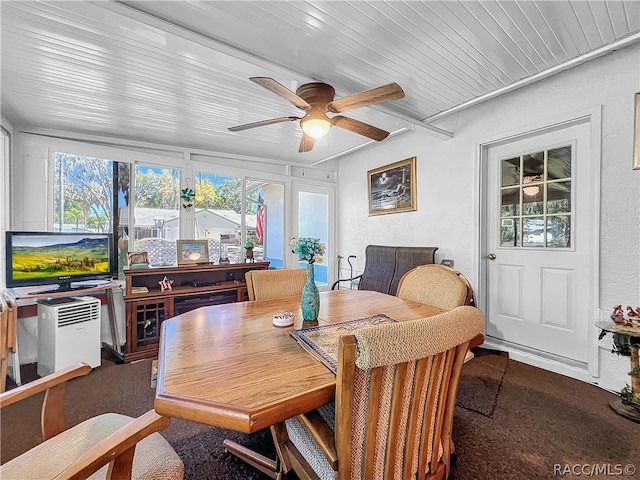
point(264, 220)
point(85, 199)
point(536, 205)
point(219, 217)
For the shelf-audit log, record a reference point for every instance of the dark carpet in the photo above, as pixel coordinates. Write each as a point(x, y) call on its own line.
point(513, 421)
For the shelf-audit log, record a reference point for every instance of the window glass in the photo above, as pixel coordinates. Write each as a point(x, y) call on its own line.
point(156, 213)
point(84, 198)
point(559, 163)
point(510, 202)
point(264, 220)
point(511, 172)
point(313, 221)
point(218, 215)
point(538, 201)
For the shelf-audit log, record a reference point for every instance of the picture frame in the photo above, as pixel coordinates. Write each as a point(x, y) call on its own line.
point(636, 134)
point(392, 188)
point(192, 251)
point(138, 258)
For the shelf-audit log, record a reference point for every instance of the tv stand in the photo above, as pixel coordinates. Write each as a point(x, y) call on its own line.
point(194, 286)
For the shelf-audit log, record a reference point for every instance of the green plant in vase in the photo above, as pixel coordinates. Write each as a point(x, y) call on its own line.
point(309, 250)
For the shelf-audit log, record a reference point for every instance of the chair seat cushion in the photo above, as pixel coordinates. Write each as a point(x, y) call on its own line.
point(154, 458)
point(306, 445)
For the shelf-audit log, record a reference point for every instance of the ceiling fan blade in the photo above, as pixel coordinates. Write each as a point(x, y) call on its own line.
point(366, 98)
point(306, 143)
point(359, 127)
point(279, 89)
point(262, 123)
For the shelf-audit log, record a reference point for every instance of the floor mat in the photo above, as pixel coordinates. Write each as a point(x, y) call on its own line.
point(481, 380)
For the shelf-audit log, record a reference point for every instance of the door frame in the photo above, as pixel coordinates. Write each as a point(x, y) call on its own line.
point(593, 116)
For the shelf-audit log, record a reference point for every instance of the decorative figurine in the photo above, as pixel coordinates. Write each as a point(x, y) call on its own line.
point(249, 252)
point(617, 315)
point(165, 284)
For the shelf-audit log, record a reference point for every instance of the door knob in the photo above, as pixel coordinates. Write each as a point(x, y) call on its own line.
point(491, 256)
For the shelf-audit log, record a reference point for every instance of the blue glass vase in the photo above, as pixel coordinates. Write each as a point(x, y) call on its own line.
point(310, 301)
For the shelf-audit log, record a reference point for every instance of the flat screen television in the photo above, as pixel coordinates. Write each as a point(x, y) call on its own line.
point(47, 258)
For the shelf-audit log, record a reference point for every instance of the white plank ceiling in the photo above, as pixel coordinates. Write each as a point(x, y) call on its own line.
point(176, 72)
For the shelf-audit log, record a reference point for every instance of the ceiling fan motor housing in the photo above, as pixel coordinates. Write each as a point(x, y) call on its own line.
point(316, 94)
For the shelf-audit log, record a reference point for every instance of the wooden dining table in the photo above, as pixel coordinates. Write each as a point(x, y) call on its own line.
point(228, 366)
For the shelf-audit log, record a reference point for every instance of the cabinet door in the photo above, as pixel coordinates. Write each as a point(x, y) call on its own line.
point(146, 318)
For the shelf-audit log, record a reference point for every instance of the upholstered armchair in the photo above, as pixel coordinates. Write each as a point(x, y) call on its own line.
point(283, 282)
point(436, 285)
point(111, 445)
point(439, 286)
point(392, 418)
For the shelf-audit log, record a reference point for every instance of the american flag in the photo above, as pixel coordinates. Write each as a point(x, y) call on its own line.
point(260, 219)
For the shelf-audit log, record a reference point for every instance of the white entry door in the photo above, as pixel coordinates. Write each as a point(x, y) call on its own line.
point(538, 243)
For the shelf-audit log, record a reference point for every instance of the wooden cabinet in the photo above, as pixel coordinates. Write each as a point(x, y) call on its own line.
point(194, 286)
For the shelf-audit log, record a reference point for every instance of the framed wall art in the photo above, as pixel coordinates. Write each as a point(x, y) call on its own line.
point(636, 134)
point(192, 251)
point(392, 188)
point(138, 258)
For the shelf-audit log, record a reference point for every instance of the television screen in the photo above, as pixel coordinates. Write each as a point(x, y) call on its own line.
point(44, 258)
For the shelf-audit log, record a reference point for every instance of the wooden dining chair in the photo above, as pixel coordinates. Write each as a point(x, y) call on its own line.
point(283, 282)
point(392, 418)
point(115, 446)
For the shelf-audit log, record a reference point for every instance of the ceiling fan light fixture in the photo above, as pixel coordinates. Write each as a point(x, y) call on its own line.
point(315, 127)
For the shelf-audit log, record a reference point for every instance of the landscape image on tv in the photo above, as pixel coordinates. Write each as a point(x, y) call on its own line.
point(36, 257)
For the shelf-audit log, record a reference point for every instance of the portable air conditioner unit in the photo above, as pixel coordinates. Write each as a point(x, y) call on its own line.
point(68, 332)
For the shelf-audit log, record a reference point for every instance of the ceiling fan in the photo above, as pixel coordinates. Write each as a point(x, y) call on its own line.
point(316, 99)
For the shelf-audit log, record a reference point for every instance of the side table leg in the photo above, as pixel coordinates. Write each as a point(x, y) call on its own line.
point(624, 410)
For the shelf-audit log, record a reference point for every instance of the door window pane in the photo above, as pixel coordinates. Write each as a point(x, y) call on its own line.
point(313, 221)
point(559, 163)
point(532, 200)
point(559, 231)
point(510, 202)
point(541, 190)
point(533, 167)
point(559, 197)
point(509, 232)
point(533, 232)
point(511, 172)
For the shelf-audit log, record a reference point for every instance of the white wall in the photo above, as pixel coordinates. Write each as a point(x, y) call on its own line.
point(448, 179)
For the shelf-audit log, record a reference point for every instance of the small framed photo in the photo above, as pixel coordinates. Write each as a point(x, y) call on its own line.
point(138, 258)
point(192, 251)
point(392, 188)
